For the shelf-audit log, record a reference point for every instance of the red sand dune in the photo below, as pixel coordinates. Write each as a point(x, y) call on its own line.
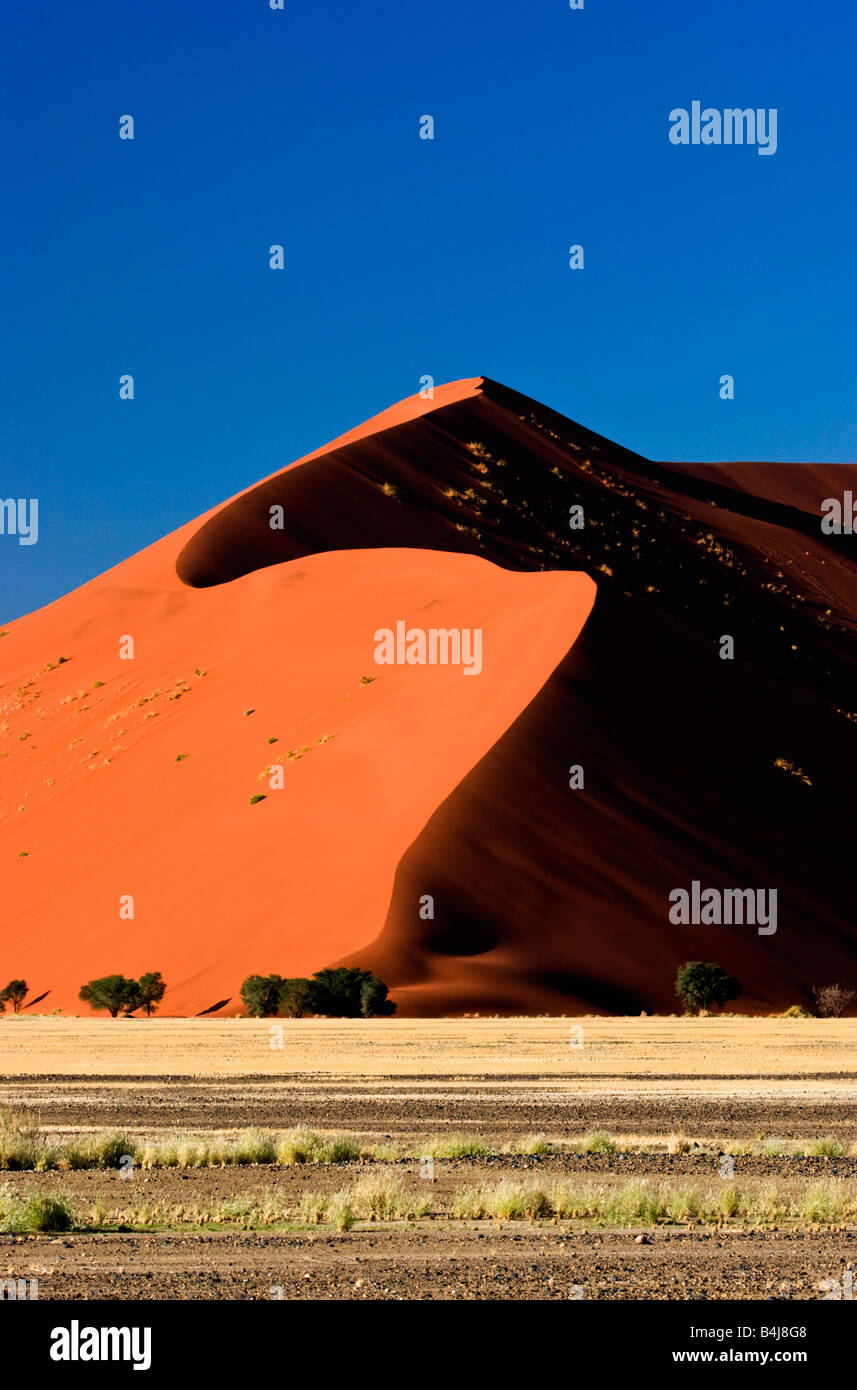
point(445, 513)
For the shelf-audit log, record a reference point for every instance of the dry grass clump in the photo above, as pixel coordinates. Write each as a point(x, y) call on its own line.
point(507, 1200)
point(333, 1208)
point(104, 1150)
point(641, 1202)
point(301, 1145)
point(382, 1196)
point(827, 1203)
point(251, 1210)
point(252, 1146)
point(376, 1196)
point(248, 1210)
point(33, 1211)
point(827, 1147)
point(453, 1146)
point(598, 1141)
point(183, 1153)
point(776, 1148)
point(533, 1145)
point(23, 1146)
point(678, 1144)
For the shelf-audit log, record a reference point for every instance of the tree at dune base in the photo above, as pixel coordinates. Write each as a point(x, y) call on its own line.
point(339, 993)
point(15, 993)
point(700, 985)
point(118, 994)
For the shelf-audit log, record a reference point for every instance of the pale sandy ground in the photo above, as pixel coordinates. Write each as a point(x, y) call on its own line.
point(717, 1080)
point(592, 1056)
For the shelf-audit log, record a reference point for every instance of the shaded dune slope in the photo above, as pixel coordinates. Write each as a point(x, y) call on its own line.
point(545, 898)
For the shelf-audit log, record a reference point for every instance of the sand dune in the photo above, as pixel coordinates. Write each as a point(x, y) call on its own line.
point(451, 513)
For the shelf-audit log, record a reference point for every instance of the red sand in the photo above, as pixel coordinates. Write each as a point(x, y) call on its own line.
point(427, 782)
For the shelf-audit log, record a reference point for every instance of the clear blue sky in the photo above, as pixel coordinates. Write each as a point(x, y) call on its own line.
point(404, 256)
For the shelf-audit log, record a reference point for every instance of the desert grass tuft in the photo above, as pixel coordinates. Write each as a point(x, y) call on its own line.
point(308, 1146)
point(774, 1148)
point(505, 1200)
point(598, 1141)
point(23, 1146)
point(682, 1204)
point(826, 1204)
point(729, 1201)
point(34, 1211)
point(339, 1212)
point(678, 1144)
point(827, 1147)
point(382, 1196)
point(334, 1208)
point(254, 1146)
point(532, 1145)
point(105, 1150)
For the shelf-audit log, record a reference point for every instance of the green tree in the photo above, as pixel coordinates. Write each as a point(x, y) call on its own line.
point(152, 989)
point(296, 998)
point(15, 993)
point(701, 985)
point(336, 993)
point(349, 993)
point(111, 992)
point(373, 999)
point(261, 995)
point(133, 1000)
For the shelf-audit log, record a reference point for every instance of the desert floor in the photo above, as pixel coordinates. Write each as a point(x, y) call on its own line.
point(723, 1084)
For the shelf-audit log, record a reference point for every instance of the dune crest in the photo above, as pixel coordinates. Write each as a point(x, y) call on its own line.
point(253, 632)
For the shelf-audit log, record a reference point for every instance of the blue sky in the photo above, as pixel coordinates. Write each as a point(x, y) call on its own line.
point(404, 256)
